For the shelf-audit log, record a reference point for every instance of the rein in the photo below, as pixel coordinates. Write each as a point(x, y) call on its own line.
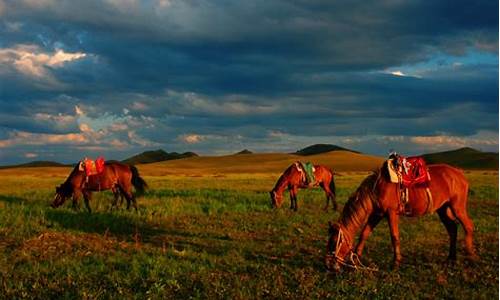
point(353, 261)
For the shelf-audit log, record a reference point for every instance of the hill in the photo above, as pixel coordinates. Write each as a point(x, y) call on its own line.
point(245, 151)
point(321, 148)
point(260, 163)
point(156, 156)
point(35, 164)
point(465, 158)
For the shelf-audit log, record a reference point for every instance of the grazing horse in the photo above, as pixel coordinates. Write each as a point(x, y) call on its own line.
point(292, 179)
point(117, 177)
point(378, 198)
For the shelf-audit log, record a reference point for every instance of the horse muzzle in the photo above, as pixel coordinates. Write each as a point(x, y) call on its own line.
point(331, 263)
point(55, 202)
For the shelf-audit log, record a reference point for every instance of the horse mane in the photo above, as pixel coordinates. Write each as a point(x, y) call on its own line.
point(283, 178)
point(67, 186)
point(361, 202)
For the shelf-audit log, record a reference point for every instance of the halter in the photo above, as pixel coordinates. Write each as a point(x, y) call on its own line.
point(353, 261)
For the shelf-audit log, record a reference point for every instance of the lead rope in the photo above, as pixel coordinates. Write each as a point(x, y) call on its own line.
point(354, 261)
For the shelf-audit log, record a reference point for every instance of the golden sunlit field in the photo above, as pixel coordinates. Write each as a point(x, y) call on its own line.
point(205, 229)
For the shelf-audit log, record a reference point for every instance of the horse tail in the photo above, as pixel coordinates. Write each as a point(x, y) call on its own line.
point(139, 184)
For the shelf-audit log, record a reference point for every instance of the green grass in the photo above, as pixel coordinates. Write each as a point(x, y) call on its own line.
point(206, 237)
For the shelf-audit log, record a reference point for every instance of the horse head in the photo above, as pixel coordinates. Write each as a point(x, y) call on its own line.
point(62, 193)
point(276, 199)
point(337, 248)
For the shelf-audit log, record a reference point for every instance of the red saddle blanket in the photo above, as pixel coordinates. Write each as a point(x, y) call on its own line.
point(413, 171)
point(92, 167)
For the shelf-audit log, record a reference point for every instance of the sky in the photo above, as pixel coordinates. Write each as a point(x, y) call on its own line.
point(118, 77)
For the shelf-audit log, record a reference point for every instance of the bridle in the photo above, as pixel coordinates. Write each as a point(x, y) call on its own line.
point(353, 260)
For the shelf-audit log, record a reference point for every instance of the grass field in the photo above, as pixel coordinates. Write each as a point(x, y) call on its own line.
point(210, 233)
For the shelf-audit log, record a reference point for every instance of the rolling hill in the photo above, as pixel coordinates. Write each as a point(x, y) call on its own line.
point(260, 163)
point(156, 156)
point(245, 151)
point(465, 158)
point(321, 148)
point(35, 164)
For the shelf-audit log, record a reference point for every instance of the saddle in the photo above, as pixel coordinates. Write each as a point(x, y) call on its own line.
point(307, 172)
point(409, 172)
point(92, 168)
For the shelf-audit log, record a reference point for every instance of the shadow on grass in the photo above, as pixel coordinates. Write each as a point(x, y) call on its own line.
point(102, 222)
point(12, 199)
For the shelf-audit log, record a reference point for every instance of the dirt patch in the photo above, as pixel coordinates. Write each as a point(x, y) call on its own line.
point(55, 244)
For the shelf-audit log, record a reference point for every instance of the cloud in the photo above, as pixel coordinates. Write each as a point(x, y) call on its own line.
point(30, 155)
point(27, 138)
point(29, 60)
point(32, 62)
point(448, 142)
point(191, 138)
point(274, 75)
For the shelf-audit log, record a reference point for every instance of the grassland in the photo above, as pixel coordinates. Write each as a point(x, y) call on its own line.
point(206, 230)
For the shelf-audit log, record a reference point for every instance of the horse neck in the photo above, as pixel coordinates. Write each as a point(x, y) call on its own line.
point(355, 215)
point(70, 181)
point(282, 182)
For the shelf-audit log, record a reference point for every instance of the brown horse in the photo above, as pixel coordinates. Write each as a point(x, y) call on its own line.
point(116, 177)
point(292, 179)
point(378, 198)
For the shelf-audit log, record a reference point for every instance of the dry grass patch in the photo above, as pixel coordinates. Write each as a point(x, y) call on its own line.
point(53, 245)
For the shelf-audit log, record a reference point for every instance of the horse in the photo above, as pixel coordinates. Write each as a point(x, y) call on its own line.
point(292, 179)
point(117, 177)
point(377, 198)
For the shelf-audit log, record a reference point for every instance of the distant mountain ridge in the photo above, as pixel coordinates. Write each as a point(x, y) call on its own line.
point(156, 156)
point(35, 164)
point(244, 151)
point(321, 148)
point(465, 158)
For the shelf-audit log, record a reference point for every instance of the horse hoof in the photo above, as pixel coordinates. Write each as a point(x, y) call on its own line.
point(396, 265)
point(472, 258)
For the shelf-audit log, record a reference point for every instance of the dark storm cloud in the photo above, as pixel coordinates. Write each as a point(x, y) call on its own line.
point(248, 69)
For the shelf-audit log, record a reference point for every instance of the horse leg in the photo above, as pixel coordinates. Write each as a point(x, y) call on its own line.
point(329, 195)
point(75, 200)
point(116, 195)
point(451, 227)
point(322, 185)
point(293, 198)
point(134, 202)
point(126, 195)
point(121, 199)
point(373, 221)
point(468, 226)
point(130, 198)
point(393, 218)
point(87, 196)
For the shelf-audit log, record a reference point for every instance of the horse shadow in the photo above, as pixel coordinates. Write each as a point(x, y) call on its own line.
point(120, 226)
point(12, 199)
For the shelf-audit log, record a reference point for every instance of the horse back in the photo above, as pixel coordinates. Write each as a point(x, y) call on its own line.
point(447, 184)
point(114, 173)
point(121, 171)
